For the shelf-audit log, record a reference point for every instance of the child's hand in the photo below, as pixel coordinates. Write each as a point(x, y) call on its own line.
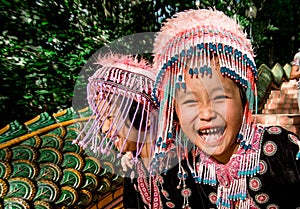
point(126, 161)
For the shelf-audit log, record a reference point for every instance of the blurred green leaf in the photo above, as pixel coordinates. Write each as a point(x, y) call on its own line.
point(47, 42)
point(42, 91)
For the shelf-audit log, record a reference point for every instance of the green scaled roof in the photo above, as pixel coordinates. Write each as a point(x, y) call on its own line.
point(41, 168)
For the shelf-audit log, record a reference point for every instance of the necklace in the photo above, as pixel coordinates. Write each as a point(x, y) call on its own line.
point(229, 178)
point(146, 185)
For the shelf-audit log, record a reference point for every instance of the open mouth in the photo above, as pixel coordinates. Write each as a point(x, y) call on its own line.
point(211, 135)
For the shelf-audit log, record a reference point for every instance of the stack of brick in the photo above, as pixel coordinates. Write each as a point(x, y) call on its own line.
point(281, 108)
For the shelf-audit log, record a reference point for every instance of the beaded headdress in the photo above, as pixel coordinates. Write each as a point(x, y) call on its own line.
point(184, 47)
point(197, 36)
point(120, 88)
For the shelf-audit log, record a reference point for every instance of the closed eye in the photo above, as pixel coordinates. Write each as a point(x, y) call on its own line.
point(220, 97)
point(189, 102)
point(110, 117)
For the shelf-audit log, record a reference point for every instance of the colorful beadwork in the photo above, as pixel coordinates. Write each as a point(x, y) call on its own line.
point(272, 206)
point(274, 130)
point(295, 140)
point(269, 148)
point(262, 167)
point(255, 184)
point(231, 179)
point(118, 82)
point(186, 50)
point(185, 47)
point(262, 198)
point(213, 197)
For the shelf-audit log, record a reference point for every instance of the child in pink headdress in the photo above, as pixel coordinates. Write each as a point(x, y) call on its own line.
point(206, 81)
point(119, 94)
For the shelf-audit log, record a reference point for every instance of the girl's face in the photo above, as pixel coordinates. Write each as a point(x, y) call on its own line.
point(210, 113)
point(122, 121)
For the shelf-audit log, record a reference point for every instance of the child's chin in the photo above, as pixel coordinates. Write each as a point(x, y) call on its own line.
point(210, 150)
point(208, 141)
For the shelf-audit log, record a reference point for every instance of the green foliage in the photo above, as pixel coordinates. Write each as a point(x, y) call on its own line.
point(44, 44)
point(276, 31)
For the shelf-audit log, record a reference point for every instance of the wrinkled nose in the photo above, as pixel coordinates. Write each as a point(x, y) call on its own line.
point(106, 126)
point(207, 112)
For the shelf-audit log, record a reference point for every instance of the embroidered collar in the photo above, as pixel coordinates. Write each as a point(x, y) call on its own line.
point(229, 178)
point(243, 163)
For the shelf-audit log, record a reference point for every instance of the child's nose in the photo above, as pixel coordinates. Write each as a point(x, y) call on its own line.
point(106, 126)
point(207, 112)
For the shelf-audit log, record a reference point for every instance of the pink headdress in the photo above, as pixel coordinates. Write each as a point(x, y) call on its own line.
point(194, 37)
point(121, 86)
point(184, 47)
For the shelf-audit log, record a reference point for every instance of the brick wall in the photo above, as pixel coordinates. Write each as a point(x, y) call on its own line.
point(281, 108)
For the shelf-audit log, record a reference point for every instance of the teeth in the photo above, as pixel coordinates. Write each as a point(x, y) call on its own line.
point(212, 134)
point(211, 131)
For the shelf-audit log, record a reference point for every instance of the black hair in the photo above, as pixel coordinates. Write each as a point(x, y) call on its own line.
point(138, 116)
point(243, 95)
